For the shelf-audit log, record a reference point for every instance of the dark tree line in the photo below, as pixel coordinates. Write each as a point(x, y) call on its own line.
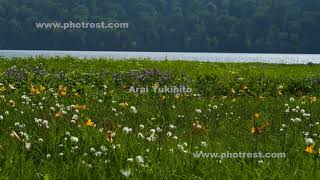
point(289, 26)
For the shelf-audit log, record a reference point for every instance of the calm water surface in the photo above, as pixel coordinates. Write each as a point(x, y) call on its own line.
point(212, 57)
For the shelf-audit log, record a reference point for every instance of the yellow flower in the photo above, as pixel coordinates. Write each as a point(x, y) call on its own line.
point(80, 107)
point(310, 150)
point(42, 88)
point(262, 98)
point(313, 99)
point(256, 130)
point(257, 115)
point(58, 115)
point(89, 122)
point(109, 136)
point(162, 98)
point(34, 90)
point(156, 85)
point(197, 127)
point(62, 90)
point(233, 91)
point(177, 96)
point(123, 104)
point(2, 89)
point(75, 92)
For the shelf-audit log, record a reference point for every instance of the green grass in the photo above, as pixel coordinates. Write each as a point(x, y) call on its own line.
point(229, 96)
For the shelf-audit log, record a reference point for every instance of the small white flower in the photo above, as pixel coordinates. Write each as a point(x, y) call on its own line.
point(98, 154)
point(126, 173)
point(40, 140)
point(11, 87)
point(152, 131)
point(74, 139)
point(103, 148)
point(28, 146)
point(198, 111)
point(309, 141)
point(296, 119)
point(130, 160)
point(127, 130)
point(140, 135)
point(140, 159)
point(180, 147)
point(172, 126)
point(204, 144)
point(75, 117)
point(169, 134)
point(48, 156)
point(46, 124)
point(1, 117)
point(141, 126)
point(60, 154)
point(159, 129)
point(133, 110)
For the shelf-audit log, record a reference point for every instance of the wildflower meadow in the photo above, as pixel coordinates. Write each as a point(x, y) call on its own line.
point(68, 118)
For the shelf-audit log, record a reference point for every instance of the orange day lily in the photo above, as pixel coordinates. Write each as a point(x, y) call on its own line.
point(89, 122)
point(310, 150)
point(256, 130)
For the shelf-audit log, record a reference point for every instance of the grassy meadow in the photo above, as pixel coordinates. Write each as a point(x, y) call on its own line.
point(66, 118)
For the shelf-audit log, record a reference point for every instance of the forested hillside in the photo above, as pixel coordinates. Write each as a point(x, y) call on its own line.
point(288, 26)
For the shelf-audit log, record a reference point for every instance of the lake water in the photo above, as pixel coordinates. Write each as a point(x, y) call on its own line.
point(212, 57)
